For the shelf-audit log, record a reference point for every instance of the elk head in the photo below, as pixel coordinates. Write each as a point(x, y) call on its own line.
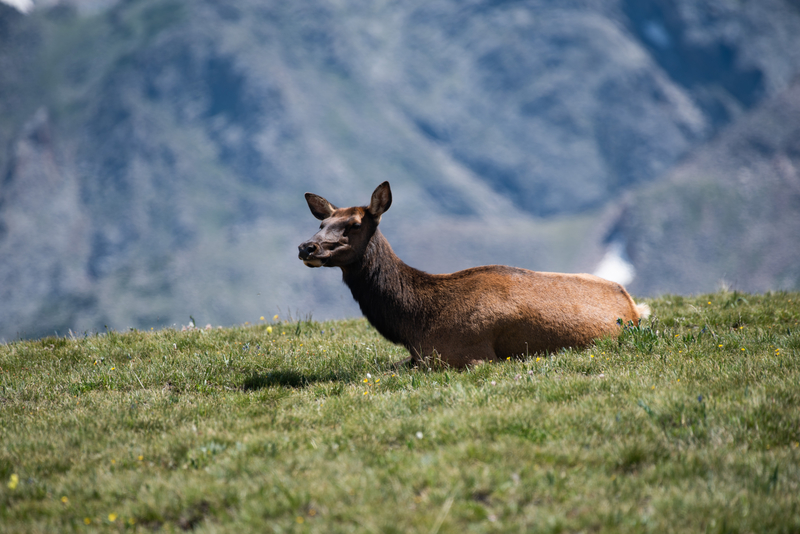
point(344, 233)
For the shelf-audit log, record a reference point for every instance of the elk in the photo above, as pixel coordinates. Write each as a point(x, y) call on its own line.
point(467, 317)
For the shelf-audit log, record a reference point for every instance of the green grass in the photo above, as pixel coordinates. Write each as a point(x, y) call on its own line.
point(688, 423)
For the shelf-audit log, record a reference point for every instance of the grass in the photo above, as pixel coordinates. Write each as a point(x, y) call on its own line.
point(688, 423)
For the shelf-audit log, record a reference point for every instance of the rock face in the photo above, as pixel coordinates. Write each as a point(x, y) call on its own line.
point(154, 154)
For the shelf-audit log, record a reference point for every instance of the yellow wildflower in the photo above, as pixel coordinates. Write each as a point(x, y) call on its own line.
point(13, 481)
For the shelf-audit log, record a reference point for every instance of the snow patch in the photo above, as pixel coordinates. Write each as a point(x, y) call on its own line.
point(615, 265)
point(24, 6)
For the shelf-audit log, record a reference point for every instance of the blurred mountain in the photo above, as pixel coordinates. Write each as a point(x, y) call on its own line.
point(154, 153)
point(729, 215)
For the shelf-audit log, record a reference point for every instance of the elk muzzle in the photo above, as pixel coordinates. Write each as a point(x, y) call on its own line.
point(308, 253)
point(316, 254)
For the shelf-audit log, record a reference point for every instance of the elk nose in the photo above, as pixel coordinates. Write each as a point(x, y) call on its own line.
point(307, 249)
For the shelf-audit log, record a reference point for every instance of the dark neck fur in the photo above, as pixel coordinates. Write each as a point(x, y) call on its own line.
point(389, 292)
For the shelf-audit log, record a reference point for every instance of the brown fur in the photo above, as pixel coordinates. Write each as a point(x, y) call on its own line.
point(471, 316)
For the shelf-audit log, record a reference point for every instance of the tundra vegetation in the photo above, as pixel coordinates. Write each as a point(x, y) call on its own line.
point(689, 422)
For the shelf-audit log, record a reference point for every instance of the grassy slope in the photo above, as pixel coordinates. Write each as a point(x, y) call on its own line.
point(690, 423)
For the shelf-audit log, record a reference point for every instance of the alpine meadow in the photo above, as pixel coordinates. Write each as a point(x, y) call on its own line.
point(153, 159)
point(689, 422)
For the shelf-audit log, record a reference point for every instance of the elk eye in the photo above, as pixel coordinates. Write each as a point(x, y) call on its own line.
point(355, 226)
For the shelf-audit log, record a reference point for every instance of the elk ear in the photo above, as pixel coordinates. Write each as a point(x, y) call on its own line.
point(381, 200)
point(320, 208)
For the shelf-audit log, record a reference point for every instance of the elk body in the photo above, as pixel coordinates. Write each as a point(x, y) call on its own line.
point(467, 317)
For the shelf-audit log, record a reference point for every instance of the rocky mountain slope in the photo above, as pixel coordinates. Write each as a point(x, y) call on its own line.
point(153, 154)
point(728, 216)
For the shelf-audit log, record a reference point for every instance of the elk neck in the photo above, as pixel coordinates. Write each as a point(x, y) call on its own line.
point(391, 294)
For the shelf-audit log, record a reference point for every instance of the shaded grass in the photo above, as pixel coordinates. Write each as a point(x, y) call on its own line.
point(689, 422)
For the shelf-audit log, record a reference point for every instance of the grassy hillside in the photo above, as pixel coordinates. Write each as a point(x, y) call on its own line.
point(688, 423)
